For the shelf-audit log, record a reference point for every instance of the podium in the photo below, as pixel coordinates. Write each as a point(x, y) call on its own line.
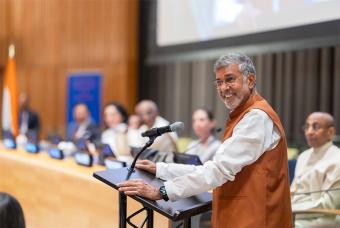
point(182, 209)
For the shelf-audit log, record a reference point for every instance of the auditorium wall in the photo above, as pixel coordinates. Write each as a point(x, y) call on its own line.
point(55, 37)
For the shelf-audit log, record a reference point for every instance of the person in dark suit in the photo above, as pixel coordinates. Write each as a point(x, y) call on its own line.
point(28, 119)
point(82, 126)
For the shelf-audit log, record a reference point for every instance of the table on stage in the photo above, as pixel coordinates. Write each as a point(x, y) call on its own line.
point(60, 193)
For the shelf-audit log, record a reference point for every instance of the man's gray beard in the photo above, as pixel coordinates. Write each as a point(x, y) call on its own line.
point(238, 102)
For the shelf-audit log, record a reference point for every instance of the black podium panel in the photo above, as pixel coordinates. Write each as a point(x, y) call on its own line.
point(181, 209)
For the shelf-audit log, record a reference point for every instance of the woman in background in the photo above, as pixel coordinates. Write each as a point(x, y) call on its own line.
point(206, 145)
point(115, 119)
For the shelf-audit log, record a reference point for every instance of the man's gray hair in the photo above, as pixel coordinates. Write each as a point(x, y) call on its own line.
point(246, 65)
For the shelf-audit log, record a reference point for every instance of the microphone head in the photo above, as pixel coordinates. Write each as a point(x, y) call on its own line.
point(177, 126)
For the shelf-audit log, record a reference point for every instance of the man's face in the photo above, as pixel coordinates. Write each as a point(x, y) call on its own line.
point(80, 114)
point(23, 101)
point(317, 130)
point(233, 88)
point(147, 115)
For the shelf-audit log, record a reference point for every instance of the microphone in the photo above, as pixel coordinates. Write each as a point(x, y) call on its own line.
point(158, 131)
point(153, 133)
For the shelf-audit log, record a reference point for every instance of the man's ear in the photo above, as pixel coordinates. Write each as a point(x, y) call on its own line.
point(331, 132)
point(251, 80)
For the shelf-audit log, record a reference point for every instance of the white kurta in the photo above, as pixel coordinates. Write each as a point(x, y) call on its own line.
point(251, 137)
point(317, 169)
point(206, 151)
point(116, 138)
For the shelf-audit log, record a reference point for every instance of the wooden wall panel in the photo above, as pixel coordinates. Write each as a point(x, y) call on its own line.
point(4, 36)
point(56, 37)
point(3, 33)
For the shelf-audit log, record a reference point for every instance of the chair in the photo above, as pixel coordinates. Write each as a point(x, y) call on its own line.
point(291, 169)
point(148, 154)
point(189, 159)
point(182, 143)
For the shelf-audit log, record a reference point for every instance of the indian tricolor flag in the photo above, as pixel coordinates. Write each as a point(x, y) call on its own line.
point(9, 98)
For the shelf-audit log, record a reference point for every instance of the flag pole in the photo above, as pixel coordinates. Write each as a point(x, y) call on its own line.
point(9, 98)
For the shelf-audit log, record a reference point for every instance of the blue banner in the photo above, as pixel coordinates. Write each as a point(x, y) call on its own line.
point(84, 87)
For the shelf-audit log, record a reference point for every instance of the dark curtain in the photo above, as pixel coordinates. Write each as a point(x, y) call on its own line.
point(296, 83)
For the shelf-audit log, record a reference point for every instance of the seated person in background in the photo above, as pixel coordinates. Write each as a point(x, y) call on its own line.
point(29, 124)
point(115, 118)
point(207, 144)
point(83, 125)
point(134, 122)
point(28, 119)
point(147, 110)
point(317, 168)
point(11, 214)
point(133, 133)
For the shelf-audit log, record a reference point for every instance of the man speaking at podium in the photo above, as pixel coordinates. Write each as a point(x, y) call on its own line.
point(249, 173)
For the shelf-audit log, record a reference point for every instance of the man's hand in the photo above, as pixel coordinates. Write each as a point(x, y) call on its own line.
point(139, 188)
point(146, 165)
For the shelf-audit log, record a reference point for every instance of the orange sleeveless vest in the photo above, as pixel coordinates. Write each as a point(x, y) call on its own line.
point(259, 196)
